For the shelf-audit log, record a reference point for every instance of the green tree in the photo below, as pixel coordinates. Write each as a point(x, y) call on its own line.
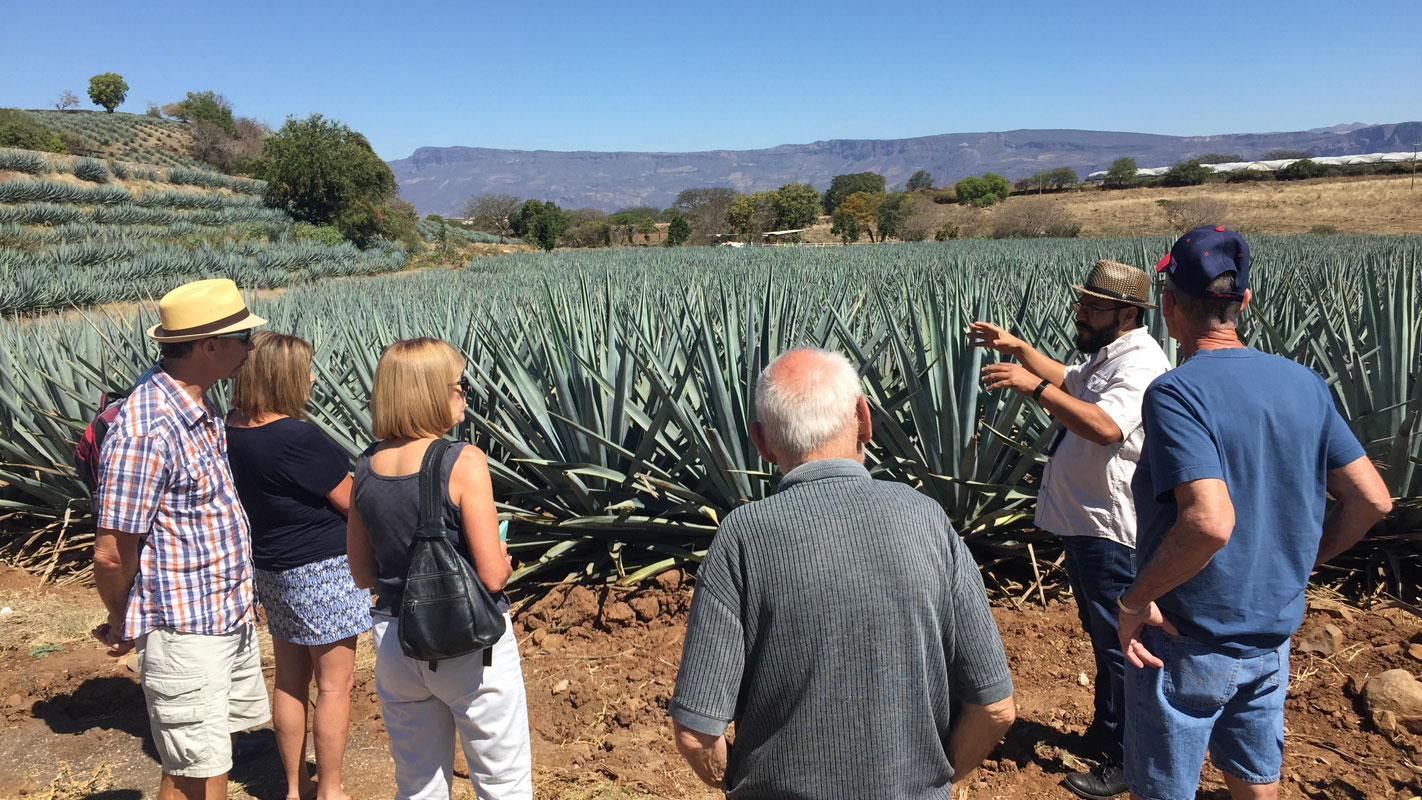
point(1122, 174)
point(893, 213)
point(752, 214)
point(921, 180)
point(842, 186)
point(1187, 173)
point(18, 130)
point(1062, 177)
point(207, 106)
point(107, 90)
point(1301, 169)
point(540, 223)
point(797, 205)
point(990, 188)
point(678, 231)
point(846, 226)
point(323, 172)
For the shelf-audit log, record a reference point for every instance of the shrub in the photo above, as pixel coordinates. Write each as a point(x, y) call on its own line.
point(945, 232)
point(985, 191)
point(1248, 175)
point(944, 198)
point(325, 234)
point(154, 111)
point(1300, 170)
point(91, 169)
point(1121, 175)
point(914, 234)
point(1187, 173)
point(1033, 219)
point(19, 130)
point(1191, 213)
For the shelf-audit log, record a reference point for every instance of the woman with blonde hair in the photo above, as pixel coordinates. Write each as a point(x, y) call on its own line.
point(419, 393)
point(294, 485)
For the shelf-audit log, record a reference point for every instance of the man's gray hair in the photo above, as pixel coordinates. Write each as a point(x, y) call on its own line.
point(802, 416)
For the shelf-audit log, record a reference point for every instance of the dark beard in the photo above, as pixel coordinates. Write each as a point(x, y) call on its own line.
point(1092, 340)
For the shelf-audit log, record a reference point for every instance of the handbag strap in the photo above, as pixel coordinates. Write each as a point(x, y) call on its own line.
point(431, 524)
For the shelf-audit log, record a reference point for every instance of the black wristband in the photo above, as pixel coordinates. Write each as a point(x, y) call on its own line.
point(1037, 392)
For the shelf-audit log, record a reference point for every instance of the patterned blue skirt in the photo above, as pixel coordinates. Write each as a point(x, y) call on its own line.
point(315, 603)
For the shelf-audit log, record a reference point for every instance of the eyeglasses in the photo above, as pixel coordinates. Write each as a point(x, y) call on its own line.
point(1080, 306)
point(462, 383)
point(242, 336)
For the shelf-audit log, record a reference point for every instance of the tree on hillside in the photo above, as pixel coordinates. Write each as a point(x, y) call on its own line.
point(324, 173)
point(491, 213)
point(66, 100)
point(1187, 173)
point(797, 205)
point(893, 213)
point(1062, 177)
point(842, 186)
point(107, 90)
point(990, 188)
point(207, 106)
point(919, 181)
point(18, 130)
point(1122, 174)
point(678, 231)
point(634, 215)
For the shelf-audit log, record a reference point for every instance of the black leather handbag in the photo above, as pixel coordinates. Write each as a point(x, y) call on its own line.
point(446, 610)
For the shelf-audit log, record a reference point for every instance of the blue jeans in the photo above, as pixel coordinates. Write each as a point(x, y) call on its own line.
point(1203, 698)
point(1099, 570)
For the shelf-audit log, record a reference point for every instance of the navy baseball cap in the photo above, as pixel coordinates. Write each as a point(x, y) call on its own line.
point(1202, 255)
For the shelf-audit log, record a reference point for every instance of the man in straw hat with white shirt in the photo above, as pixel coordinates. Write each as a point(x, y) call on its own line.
point(172, 553)
point(1085, 494)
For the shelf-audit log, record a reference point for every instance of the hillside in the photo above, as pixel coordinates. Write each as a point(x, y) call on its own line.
point(77, 231)
point(124, 137)
point(438, 180)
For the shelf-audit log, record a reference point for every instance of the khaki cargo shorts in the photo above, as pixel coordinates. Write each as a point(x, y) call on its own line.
point(201, 689)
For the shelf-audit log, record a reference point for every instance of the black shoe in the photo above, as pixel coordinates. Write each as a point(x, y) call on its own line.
point(1107, 780)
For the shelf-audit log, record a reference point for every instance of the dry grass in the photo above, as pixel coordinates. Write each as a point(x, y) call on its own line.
point(39, 619)
point(65, 786)
point(1376, 204)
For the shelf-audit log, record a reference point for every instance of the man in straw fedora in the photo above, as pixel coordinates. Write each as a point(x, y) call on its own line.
point(1085, 495)
point(172, 553)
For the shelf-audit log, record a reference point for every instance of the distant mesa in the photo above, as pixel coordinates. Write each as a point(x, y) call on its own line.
point(438, 180)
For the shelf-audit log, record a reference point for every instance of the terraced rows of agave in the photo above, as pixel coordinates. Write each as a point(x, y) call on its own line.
point(129, 137)
point(614, 389)
point(126, 232)
point(429, 230)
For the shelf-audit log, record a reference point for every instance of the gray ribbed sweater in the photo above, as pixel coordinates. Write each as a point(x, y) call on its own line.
point(838, 624)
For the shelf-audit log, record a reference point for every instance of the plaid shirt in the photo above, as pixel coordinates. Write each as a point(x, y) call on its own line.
point(163, 475)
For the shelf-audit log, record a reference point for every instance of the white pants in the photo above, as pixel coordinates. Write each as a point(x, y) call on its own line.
point(424, 709)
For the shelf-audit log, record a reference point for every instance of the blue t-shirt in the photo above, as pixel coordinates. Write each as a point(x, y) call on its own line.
point(283, 471)
point(1268, 428)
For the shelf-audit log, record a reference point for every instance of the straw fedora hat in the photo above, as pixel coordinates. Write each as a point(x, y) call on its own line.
point(1112, 280)
point(201, 309)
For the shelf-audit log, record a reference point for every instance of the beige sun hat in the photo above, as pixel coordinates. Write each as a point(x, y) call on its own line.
point(201, 309)
point(1112, 280)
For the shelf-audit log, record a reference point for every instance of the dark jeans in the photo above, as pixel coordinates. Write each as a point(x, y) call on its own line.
point(1099, 571)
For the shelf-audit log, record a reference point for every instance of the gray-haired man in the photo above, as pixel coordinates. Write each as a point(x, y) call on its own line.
point(841, 624)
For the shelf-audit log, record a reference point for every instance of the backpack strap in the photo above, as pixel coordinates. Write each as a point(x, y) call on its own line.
point(431, 524)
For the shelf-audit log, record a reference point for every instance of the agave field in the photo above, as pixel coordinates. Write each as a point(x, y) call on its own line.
point(126, 137)
point(614, 388)
point(76, 232)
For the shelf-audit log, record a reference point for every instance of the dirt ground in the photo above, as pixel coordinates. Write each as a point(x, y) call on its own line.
point(600, 665)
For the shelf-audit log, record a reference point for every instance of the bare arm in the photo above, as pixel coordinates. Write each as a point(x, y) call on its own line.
point(358, 550)
point(977, 731)
point(986, 334)
point(115, 567)
point(471, 487)
point(706, 754)
point(1084, 419)
point(340, 497)
point(1203, 524)
point(1363, 499)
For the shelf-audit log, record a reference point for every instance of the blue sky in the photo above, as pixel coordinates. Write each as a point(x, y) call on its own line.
point(732, 75)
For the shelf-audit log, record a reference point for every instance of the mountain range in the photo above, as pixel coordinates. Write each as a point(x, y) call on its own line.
point(439, 180)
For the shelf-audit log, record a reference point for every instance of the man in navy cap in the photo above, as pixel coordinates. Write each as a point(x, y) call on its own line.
point(1241, 449)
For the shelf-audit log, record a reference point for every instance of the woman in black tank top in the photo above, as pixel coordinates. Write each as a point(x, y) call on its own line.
point(417, 396)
